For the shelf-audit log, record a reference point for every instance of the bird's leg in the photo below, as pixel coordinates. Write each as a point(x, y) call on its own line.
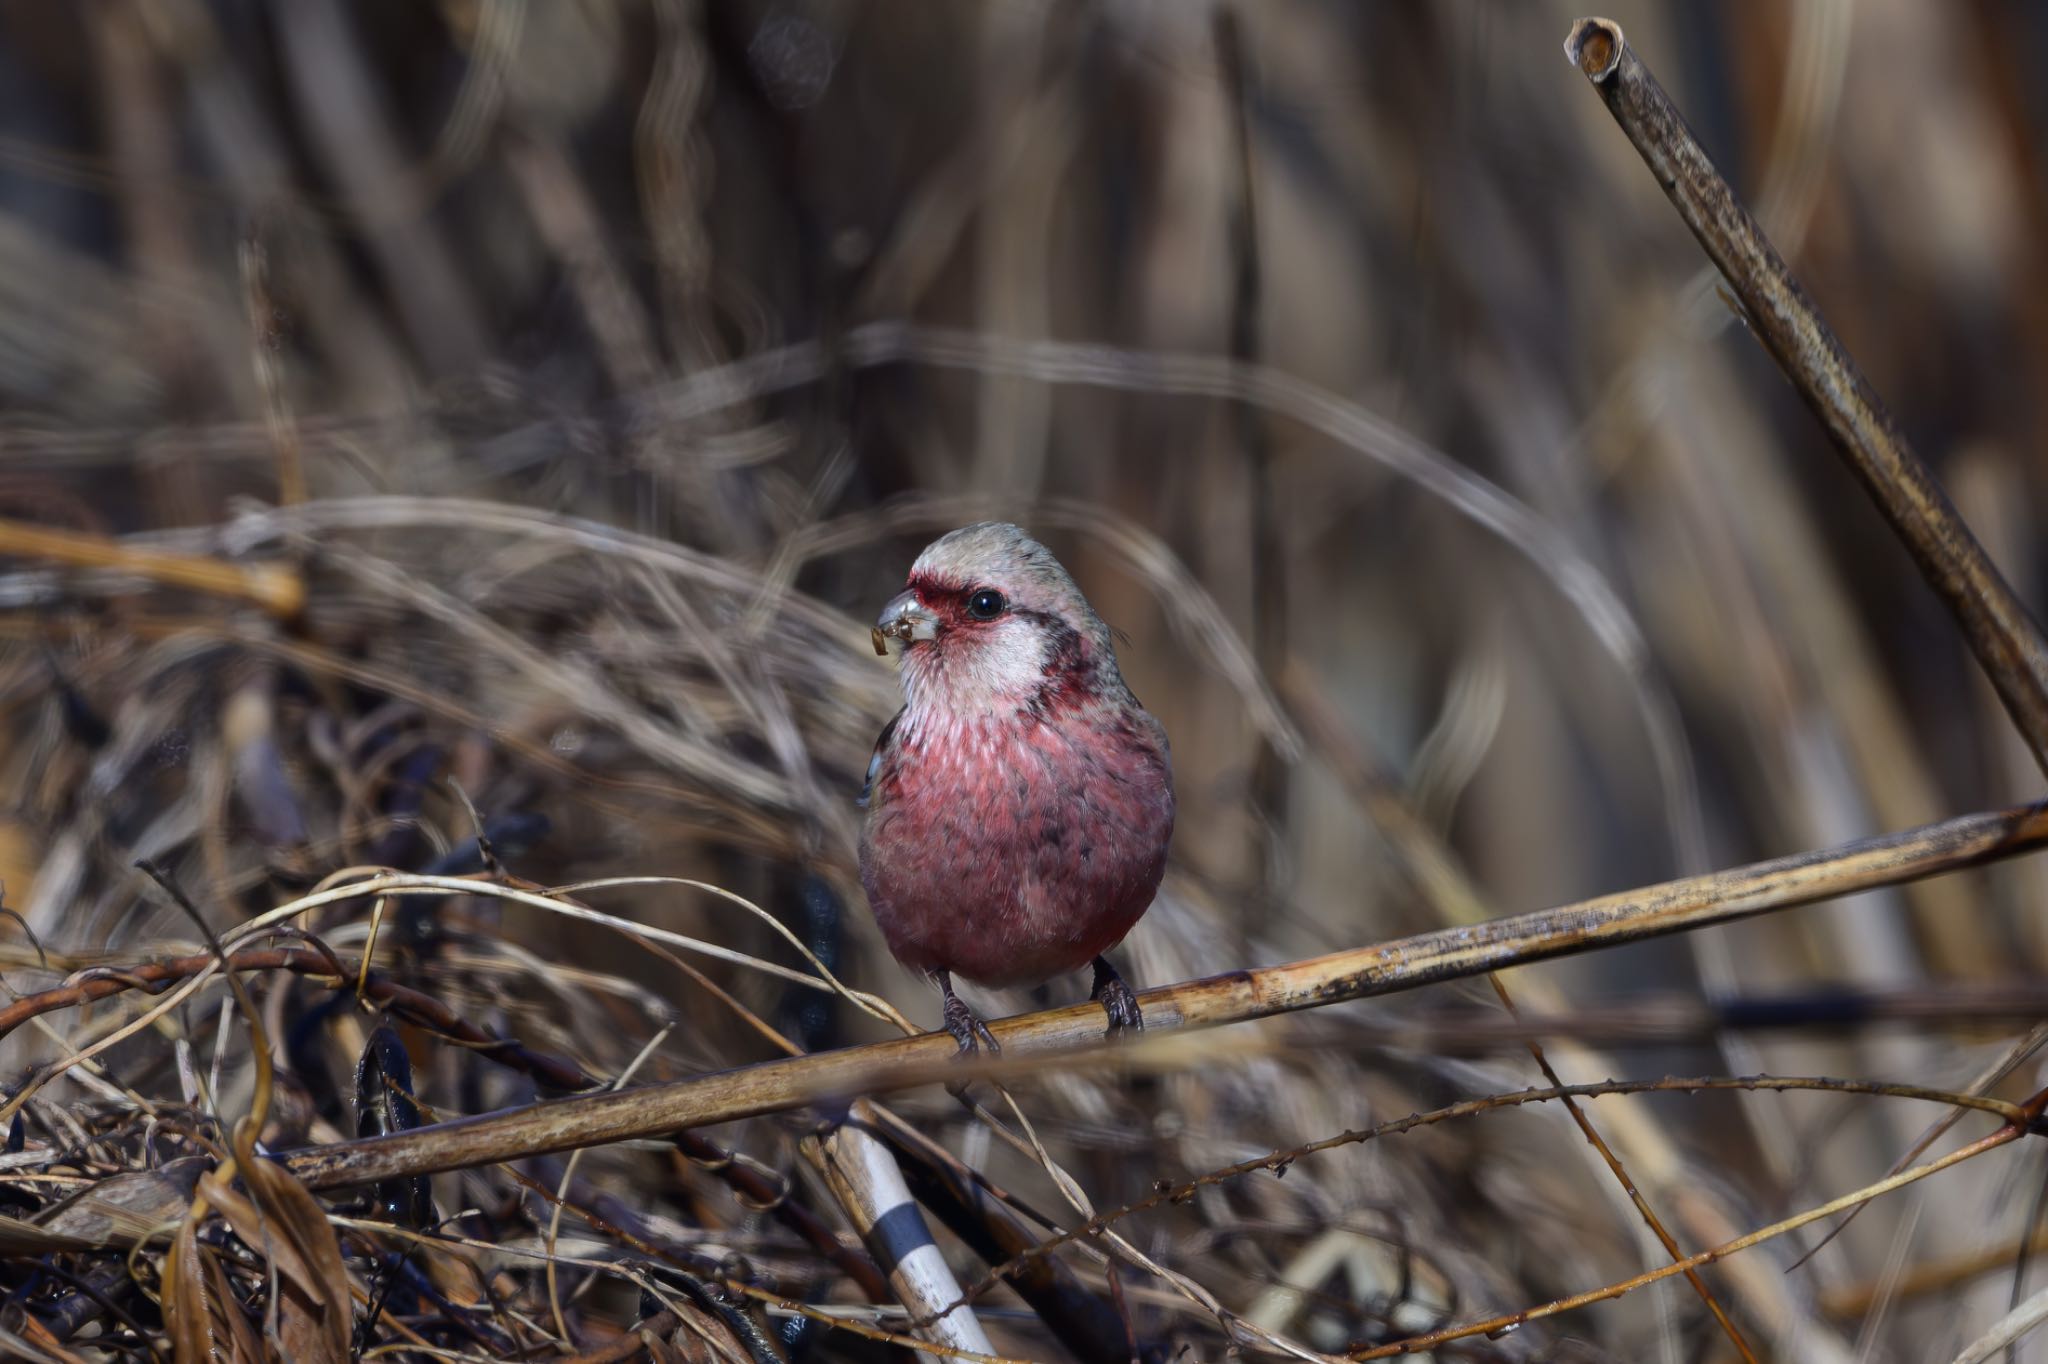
point(1116, 999)
point(968, 1030)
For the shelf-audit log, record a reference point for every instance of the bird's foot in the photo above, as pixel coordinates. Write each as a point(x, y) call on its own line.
point(1117, 999)
point(966, 1026)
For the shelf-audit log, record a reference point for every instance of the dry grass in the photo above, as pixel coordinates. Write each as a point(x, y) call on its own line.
point(509, 412)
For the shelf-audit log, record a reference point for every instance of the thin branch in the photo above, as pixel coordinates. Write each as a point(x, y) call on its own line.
point(2006, 640)
point(276, 588)
point(1497, 1326)
point(1055, 1036)
point(1644, 1020)
point(435, 1018)
point(1432, 869)
point(1628, 1184)
point(1278, 1163)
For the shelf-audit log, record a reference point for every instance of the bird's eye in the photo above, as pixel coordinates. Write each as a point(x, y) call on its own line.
point(985, 603)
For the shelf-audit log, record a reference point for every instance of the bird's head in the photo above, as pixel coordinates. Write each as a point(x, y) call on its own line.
point(990, 624)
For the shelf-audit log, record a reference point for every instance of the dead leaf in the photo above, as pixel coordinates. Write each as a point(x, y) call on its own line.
point(126, 1208)
point(201, 1315)
point(26, 1238)
point(286, 1225)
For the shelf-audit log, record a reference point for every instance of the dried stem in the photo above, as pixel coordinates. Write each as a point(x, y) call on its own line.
point(274, 587)
point(1238, 996)
point(1278, 1163)
point(1628, 1185)
point(1495, 1326)
point(863, 1175)
point(423, 1011)
point(2007, 641)
point(1088, 1325)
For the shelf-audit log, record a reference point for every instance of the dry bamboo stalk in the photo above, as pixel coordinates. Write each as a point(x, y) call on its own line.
point(1090, 1325)
point(2005, 638)
point(863, 1176)
point(1055, 1035)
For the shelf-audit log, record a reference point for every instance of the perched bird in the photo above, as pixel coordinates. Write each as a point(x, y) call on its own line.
point(1020, 804)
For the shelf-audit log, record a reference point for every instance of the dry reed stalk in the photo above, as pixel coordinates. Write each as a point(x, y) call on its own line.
point(1055, 1036)
point(2005, 638)
point(274, 587)
point(862, 1173)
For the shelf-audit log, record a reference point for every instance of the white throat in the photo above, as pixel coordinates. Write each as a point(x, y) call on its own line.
point(954, 681)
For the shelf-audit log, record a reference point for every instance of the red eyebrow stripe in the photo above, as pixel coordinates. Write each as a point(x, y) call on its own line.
point(929, 586)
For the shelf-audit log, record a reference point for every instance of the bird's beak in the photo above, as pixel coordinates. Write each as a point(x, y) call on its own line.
point(905, 619)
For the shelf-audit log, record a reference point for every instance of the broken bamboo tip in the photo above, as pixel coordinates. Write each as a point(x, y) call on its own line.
point(1595, 46)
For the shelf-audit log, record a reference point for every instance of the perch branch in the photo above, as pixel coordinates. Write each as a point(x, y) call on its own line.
point(2007, 641)
point(1054, 1037)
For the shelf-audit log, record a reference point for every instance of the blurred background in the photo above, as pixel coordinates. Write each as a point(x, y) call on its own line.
point(597, 367)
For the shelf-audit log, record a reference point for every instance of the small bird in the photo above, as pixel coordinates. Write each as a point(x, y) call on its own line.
point(1019, 806)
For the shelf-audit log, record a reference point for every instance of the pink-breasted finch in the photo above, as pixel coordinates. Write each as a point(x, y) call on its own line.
point(1019, 806)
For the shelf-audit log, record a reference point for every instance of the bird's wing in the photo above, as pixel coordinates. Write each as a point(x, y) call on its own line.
point(875, 763)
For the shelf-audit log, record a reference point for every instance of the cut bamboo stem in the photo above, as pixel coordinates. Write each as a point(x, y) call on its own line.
point(2005, 638)
point(1088, 1324)
point(1055, 1036)
point(863, 1176)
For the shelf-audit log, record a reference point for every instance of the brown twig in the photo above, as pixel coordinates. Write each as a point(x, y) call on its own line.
point(1496, 1326)
point(1435, 875)
point(274, 587)
point(1653, 1020)
point(1278, 1163)
point(1056, 1035)
point(1628, 1184)
point(2007, 641)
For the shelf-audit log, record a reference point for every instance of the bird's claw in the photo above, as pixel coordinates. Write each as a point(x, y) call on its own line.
point(973, 1036)
point(1117, 999)
point(969, 1032)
